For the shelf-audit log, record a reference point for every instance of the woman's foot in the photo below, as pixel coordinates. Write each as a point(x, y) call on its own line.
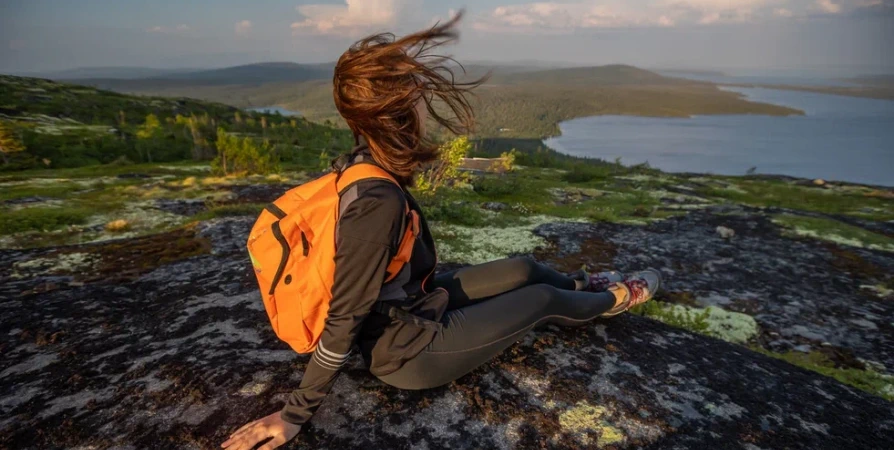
point(636, 289)
point(598, 282)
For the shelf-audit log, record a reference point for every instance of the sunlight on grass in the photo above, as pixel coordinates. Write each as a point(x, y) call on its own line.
point(866, 380)
point(834, 231)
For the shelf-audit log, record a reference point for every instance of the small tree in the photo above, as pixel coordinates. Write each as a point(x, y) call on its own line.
point(149, 133)
point(242, 156)
point(325, 161)
point(446, 168)
point(9, 142)
point(195, 127)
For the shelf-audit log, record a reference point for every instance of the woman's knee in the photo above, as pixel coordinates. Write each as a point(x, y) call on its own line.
point(525, 267)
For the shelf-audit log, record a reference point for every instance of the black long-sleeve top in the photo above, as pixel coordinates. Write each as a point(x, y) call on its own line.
point(371, 224)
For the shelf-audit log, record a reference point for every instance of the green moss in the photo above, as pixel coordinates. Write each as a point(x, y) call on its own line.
point(42, 219)
point(246, 209)
point(834, 231)
point(729, 326)
point(59, 189)
point(852, 201)
point(866, 380)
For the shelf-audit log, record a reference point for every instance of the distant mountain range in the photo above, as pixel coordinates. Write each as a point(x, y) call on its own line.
point(105, 72)
point(156, 80)
point(609, 75)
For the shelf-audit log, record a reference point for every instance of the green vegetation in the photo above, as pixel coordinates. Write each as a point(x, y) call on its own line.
point(243, 156)
point(9, 142)
point(730, 326)
point(446, 169)
point(42, 219)
point(834, 231)
point(854, 201)
point(867, 380)
point(245, 209)
point(67, 126)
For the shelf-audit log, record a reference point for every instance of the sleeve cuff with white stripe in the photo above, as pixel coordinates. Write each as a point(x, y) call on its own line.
point(330, 359)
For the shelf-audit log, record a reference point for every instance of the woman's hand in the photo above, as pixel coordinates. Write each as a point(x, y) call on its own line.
point(252, 433)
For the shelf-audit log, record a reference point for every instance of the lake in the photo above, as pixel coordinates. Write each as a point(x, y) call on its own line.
point(274, 110)
point(840, 138)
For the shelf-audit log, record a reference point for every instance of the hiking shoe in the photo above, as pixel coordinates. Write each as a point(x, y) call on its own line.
point(637, 289)
point(600, 282)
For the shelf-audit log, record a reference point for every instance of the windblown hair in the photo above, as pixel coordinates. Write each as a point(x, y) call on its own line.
point(379, 81)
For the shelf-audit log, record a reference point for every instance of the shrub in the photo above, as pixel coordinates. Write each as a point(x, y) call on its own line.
point(584, 173)
point(496, 186)
point(446, 168)
point(456, 213)
point(243, 156)
point(506, 162)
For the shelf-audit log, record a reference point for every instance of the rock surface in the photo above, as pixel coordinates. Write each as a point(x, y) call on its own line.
point(123, 346)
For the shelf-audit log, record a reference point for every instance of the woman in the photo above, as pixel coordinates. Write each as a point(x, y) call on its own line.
point(446, 325)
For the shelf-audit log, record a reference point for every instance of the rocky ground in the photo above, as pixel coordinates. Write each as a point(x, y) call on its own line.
point(804, 296)
point(161, 342)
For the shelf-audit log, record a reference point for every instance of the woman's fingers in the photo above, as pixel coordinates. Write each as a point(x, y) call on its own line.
point(277, 440)
point(239, 439)
point(244, 427)
point(247, 441)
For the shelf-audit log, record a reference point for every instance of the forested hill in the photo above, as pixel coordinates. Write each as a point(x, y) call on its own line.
point(516, 102)
point(45, 124)
point(616, 74)
point(249, 74)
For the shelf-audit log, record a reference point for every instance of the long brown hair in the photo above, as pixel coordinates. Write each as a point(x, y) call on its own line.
point(379, 81)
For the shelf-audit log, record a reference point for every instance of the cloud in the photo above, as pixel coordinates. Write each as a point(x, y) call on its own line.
point(782, 12)
point(714, 11)
point(167, 30)
point(354, 17)
point(828, 6)
point(568, 15)
point(16, 44)
point(243, 27)
point(874, 8)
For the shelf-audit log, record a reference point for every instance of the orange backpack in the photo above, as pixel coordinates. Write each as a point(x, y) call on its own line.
point(292, 249)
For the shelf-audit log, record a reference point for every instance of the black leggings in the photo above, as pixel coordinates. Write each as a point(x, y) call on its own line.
point(491, 307)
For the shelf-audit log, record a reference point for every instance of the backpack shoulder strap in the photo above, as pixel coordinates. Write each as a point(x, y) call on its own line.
point(365, 171)
point(362, 171)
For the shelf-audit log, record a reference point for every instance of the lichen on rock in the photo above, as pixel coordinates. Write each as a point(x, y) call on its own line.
point(583, 418)
point(476, 245)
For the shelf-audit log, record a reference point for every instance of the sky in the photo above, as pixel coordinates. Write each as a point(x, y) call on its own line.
point(805, 36)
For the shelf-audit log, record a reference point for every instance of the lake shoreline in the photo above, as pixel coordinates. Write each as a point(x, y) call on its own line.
point(807, 146)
